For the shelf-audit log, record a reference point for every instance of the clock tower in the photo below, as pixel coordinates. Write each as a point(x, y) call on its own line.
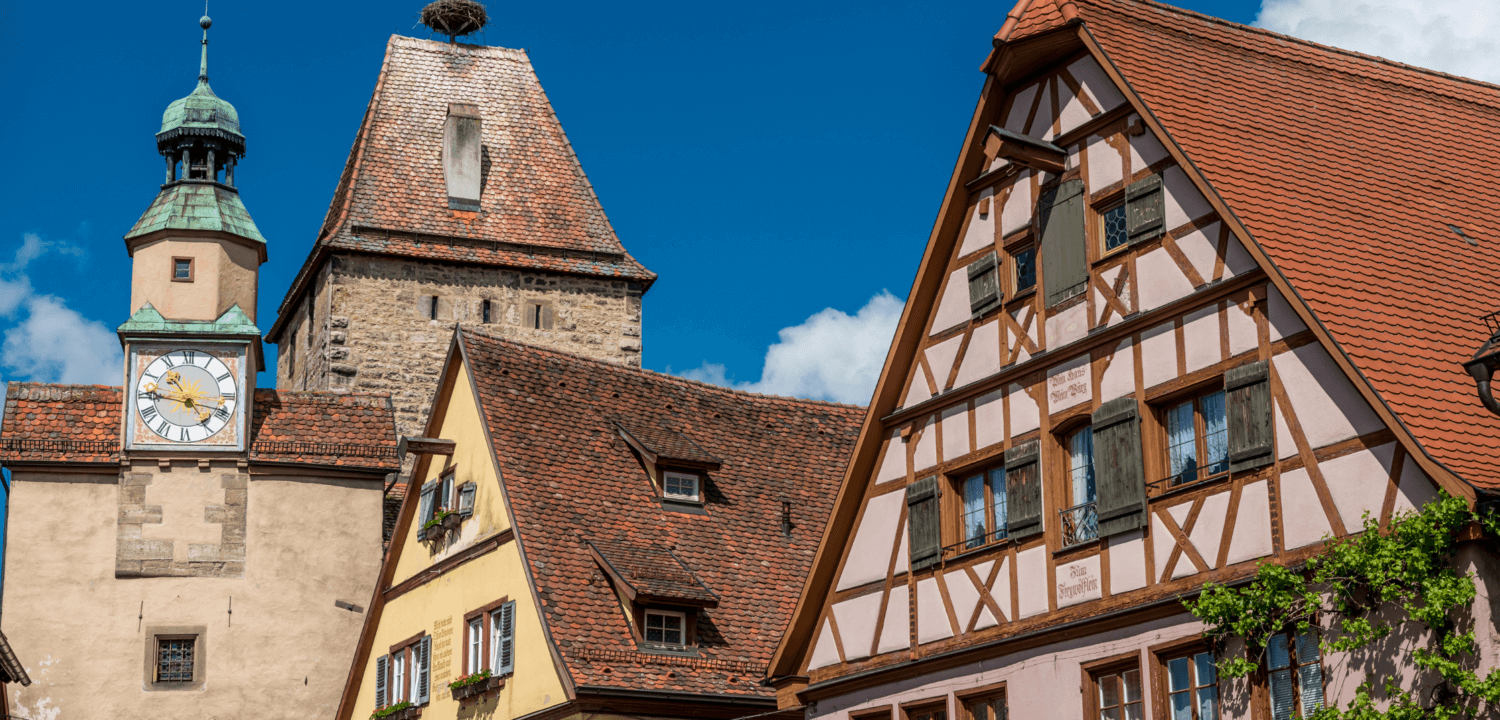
point(191, 345)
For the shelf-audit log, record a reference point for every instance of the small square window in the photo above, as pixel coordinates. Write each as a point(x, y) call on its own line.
point(1112, 224)
point(681, 486)
point(1025, 275)
point(182, 269)
point(1119, 696)
point(665, 628)
point(174, 660)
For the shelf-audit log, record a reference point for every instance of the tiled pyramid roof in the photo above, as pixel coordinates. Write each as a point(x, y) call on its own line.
point(573, 481)
point(1347, 170)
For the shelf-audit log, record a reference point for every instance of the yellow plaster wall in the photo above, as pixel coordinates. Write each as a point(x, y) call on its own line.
point(473, 462)
point(438, 607)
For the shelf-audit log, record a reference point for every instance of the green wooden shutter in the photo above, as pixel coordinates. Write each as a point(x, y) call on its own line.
point(1145, 218)
point(422, 668)
point(507, 650)
point(1119, 471)
point(1247, 401)
point(984, 285)
point(426, 510)
point(1065, 266)
point(1023, 491)
point(925, 538)
point(382, 669)
point(466, 499)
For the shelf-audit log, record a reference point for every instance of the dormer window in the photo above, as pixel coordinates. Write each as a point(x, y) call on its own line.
point(681, 486)
point(666, 629)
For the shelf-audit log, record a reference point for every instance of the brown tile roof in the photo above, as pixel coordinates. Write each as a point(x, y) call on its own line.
point(572, 480)
point(81, 423)
point(1348, 170)
point(652, 572)
point(538, 209)
point(665, 443)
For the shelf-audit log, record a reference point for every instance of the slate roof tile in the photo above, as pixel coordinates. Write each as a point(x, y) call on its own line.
point(573, 481)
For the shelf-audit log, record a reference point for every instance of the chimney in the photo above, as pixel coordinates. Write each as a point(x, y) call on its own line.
point(461, 141)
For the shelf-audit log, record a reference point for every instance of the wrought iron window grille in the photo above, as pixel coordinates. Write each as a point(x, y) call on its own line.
point(1080, 524)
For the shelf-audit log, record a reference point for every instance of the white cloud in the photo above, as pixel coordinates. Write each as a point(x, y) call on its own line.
point(831, 356)
point(1448, 35)
point(46, 341)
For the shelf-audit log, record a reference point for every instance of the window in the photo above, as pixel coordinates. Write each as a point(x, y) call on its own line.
point(665, 628)
point(182, 269)
point(398, 677)
point(538, 316)
point(1296, 676)
point(474, 662)
point(404, 675)
point(432, 307)
point(681, 486)
point(174, 659)
point(445, 490)
point(1080, 523)
point(1025, 270)
point(484, 311)
point(1197, 439)
point(1192, 687)
point(983, 515)
point(984, 285)
point(1112, 228)
point(983, 706)
point(1118, 695)
point(927, 712)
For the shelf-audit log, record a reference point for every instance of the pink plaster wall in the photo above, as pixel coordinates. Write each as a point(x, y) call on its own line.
point(1127, 562)
point(1201, 247)
point(924, 455)
point(989, 419)
point(1284, 321)
point(1208, 531)
point(903, 560)
point(1184, 567)
point(1017, 211)
point(954, 307)
point(1327, 406)
point(1242, 330)
point(1304, 522)
point(1183, 202)
point(1252, 524)
point(895, 632)
point(824, 652)
point(1161, 281)
point(964, 595)
point(856, 618)
point(1119, 377)
point(1015, 116)
point(1237, 260)
point(1106, 167)
point(1067, 326)
point(932, 617)
point(1041, 122)
point(870, 553)
point(1414, 489)
point(1000, 589)
point(982, 357)
point(1024, 415)
point(1159, 354)
point(955, 432)
point(981, 230)
point(1096, 84)
point(1200, 338)
point(1073, 113)
point(1357, 483)
point(893, 466)
point(1031, 580)
point(917, 390)
point(1145, 150)
point(1068, 573)
point(940, 359)
point(1286, 446)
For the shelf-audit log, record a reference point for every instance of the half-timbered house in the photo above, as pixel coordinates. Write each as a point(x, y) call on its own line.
point(588, 540)
point(1197, 298)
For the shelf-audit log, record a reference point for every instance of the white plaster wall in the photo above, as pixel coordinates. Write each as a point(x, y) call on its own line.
point(1020, 108)
point(918, 390)
point(1304, 520)
point(989, 419)
point(1024, 415)
point(964, 595)
point(932, 616)
point(1201, 247)
point(895, 632)
point(1242, 329)
point(982, 358)
point(893, 466)
point(924, 455)
point(1031, 581)
point(1161, 281)
point(1200, 338)
point(1073, 113)
point(1017, 211)
point(1183, 203)
point(1096, 84)
point(1282, 318)
point(1145, 151)
point(953, 309)
point(1068, 326)
point(1328, 407)
point(825, 652)
point(1252, 524)
point(1000, 589)
point(1041, 122)
point(1119, 376)
point(940, 359)
point(856, 618)
point(1208, 531)
point(955, 432)
point(1159, 354)
point(1106, 166)
point(981, 230)
point(870, 553)
point(1127, 562)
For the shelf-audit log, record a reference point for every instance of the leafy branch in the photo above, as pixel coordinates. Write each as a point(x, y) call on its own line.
point(1354, 586)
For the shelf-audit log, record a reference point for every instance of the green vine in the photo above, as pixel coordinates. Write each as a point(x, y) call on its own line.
point(1352, 588)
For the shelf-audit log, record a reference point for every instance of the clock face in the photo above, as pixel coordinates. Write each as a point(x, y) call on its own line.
point(186, 396)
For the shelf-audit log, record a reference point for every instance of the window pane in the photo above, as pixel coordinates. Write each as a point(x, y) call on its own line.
point(1216, 429)
point(1026, 269)
point(653, 634)
point(1307, 648)
point(1082, 450)
point(1281, 695)
point(1133, 712)
point(1110, 714)
point(980, 710)
point(1109, 691)
point(655, 621)
point(1182, 443)
point(1132, 682)
point(1207, 673)
point(1312, 686)
point(973, 515)
point(997, 492)
point(1182, 706)
point(1114, 227)
point(1277, 651)
point(1178, 674)
point(1208, 703)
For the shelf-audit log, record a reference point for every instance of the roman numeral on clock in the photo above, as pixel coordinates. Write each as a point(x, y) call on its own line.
point(162, 429)
point(228, 395)
point(183, 435)
point(223, 377)
point(148, 413)
point(189, 356)
point(222, 413)
point(168, 360)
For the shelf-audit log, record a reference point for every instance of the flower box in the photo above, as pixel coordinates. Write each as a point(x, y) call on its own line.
point(475, 689)
point(397, 712)
point(450, 521)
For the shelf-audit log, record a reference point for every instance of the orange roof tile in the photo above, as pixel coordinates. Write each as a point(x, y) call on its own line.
point(572, 481)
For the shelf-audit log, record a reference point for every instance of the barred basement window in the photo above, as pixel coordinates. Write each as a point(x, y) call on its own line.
point(174, 659)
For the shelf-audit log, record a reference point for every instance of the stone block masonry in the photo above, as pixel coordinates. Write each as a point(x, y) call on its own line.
point(384, 324)
point(184, 521)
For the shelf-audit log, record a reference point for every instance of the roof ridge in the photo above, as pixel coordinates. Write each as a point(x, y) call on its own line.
point(1212, 20)
point(646, 371)
point(469, 48)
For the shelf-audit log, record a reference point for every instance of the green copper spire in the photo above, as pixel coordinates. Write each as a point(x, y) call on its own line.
point(205, 23)
point(202, 110)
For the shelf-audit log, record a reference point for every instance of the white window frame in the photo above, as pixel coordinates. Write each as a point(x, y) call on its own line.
point(476, 645)
point(681, 627)
point(670, 475)
point(398, 676)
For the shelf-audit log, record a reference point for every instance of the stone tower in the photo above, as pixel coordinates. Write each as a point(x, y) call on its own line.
point(461, 202)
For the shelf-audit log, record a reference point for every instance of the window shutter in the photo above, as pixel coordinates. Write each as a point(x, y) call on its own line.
point(507, 651)
point(925, 540)
point(1144, 216)
point(1119, 471)
point(1023, 491)
point(466, 499)
point(423, 669)
point(382, 668)
point(984, 285)
point(426, 509)
point(1065, 266)
point(1247, 391)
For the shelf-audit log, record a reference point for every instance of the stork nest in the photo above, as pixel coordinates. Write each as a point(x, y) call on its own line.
point(454, 17)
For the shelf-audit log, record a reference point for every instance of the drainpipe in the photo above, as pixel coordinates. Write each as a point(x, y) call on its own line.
point(1482, 368)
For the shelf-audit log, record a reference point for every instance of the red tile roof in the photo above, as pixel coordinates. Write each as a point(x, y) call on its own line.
point(572, 481)
point(538, 209)
point(81, 424)
point(666, 443)
point(652, 572)
point(1347, 170)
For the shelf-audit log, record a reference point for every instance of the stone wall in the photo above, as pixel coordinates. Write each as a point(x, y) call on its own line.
point(377, 333)
point(163, 513)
